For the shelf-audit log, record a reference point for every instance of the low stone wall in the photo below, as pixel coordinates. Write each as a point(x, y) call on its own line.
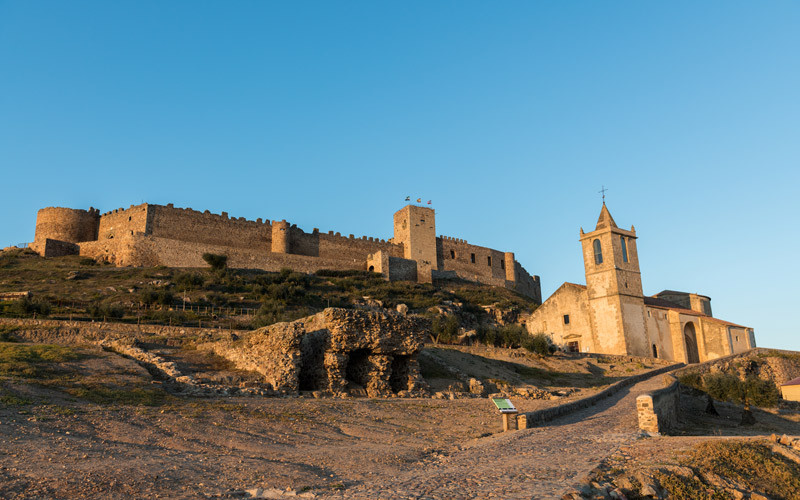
point(658, 410)
point(540, 417)
point(61, 332)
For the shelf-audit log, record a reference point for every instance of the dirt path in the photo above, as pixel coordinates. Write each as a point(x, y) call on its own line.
point(535, 463)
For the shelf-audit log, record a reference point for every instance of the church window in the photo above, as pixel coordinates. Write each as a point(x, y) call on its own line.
point(648, 314)
point(452, 254)
point(598, 252)
point(566, 319)
point(655, 351)
point(489, 260)
point(472, 257)
point(624, 249)
point(502, 264)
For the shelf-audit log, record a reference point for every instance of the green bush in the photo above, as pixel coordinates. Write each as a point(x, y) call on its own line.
point(216, 261)
point(538, 343)
point(761, 392)
point(109, 311)
point(163, 297)
point(444, 329)
point(754, 391)
point(26, 307)
point(190, 281)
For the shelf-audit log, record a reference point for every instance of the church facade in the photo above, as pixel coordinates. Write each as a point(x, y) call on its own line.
point(611, 314)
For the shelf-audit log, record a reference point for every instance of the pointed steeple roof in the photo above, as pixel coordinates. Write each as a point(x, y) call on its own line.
point(605, 220)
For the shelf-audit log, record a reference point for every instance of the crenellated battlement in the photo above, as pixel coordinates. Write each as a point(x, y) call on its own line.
point(151, 234)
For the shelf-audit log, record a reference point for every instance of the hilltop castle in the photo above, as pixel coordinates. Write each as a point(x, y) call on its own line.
point(151, 235)
point(611, 315)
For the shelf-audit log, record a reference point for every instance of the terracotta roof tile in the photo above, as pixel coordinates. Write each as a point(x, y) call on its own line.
point(792, 382)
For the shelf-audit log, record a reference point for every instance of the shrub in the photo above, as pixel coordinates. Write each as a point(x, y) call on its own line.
point(163, 297)
point(761, 392)
point(538, 343)
point(190, 281)
point(99, 310)
point(444, 329)
point(216, 261)
point(723, 386)
point(26, 307)
point(754, 391)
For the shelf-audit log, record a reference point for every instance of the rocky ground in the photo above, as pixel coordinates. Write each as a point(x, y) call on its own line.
point(95, 424)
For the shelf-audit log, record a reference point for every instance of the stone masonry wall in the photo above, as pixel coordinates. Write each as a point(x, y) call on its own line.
point(78, 332)
point(66, 224)
point(658, 410)
point(120, 222)
point(148, 251)
point(185, 224)
point(490, 266)
point(333, 349)
point(150, 235)
point(458, 255)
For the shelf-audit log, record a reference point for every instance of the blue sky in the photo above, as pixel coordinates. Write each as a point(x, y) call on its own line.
point(510, 116)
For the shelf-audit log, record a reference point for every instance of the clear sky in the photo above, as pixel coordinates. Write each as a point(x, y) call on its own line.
point(509, 115)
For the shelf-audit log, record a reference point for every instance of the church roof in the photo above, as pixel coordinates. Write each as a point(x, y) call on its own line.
point(792, 382)
point(605, 220)
point(659, 302)
point(665, 304)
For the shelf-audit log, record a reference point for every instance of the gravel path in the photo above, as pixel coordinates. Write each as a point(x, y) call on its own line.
point(537, 463)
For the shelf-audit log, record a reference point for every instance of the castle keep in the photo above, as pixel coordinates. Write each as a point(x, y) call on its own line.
point(611, 314)
point(152, 235)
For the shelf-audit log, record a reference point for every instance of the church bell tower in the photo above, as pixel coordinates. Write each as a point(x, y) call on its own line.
point(614, 288)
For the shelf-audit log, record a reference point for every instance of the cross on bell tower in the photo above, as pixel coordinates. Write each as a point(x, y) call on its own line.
point(603, 192)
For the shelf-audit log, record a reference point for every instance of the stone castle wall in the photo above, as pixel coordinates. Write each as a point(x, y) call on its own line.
point(66, 224)
point(120, 222)
point(150, 235)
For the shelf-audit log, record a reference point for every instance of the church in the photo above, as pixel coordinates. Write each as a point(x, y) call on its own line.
point(611, 314)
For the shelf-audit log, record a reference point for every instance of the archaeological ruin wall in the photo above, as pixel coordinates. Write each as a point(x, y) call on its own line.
point(337, 351)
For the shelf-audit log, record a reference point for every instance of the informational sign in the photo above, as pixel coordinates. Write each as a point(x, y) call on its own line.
point(504, 405)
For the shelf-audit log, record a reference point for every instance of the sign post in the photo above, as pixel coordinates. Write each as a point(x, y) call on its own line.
point(506, 408)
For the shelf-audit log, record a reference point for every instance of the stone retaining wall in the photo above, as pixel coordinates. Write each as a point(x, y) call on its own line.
point(658, 410)
point(58, 331)
point(540, 417)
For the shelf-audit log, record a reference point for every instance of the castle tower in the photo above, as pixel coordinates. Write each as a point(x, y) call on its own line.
point(415, 229)
point(614, 287)
point(67, 224)
point(281, 237)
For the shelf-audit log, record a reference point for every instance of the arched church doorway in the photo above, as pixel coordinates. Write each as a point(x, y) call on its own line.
point(690, 339)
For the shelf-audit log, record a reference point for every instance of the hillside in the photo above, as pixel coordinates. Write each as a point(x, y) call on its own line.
point(79, 288)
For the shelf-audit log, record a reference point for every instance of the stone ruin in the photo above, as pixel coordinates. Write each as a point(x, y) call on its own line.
point(335, 352)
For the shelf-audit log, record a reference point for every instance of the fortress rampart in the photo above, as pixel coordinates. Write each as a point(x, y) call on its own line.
point(66, 225)
point(150, 235)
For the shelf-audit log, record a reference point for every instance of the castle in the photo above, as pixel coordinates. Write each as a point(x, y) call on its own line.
point(152, 235)
point(611, 315)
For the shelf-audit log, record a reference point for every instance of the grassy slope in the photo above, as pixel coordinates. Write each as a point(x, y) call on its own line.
point(78, 286)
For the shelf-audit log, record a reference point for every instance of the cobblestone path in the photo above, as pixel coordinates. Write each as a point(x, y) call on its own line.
point(538, 463)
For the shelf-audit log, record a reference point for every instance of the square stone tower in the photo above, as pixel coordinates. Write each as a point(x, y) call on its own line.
point(614, 288)
point(415, 229)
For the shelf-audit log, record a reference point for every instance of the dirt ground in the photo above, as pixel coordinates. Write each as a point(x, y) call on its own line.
point(100, 426)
